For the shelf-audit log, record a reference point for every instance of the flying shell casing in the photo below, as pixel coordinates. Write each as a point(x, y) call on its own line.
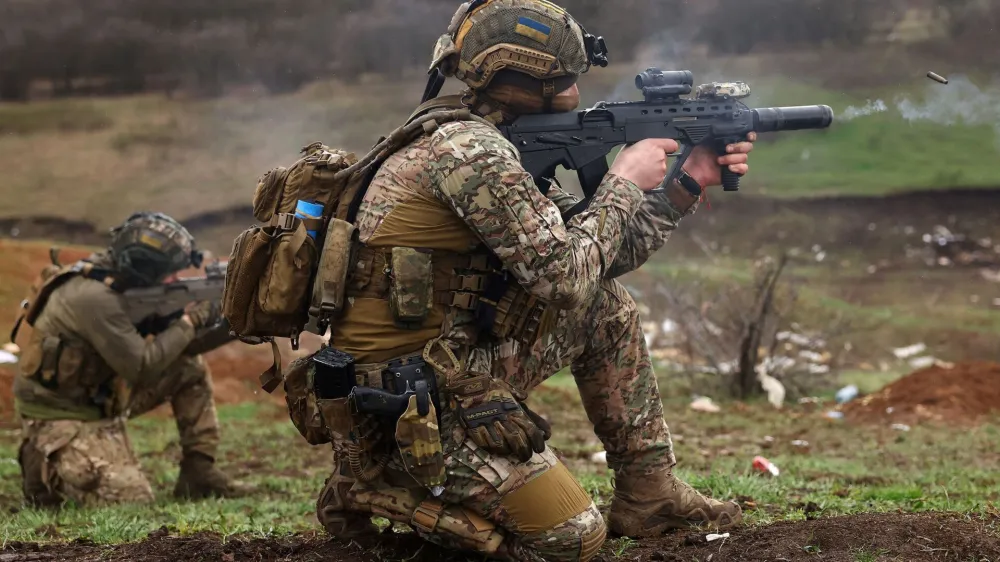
point(937, 77)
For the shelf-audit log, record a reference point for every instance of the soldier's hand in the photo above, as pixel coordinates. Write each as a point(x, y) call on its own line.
point(495, 422)
point(203, 314)
point(705, 166)
point(645, 162)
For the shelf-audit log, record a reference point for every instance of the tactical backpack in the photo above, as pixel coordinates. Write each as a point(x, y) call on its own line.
point(289, 275)
point(42, 286)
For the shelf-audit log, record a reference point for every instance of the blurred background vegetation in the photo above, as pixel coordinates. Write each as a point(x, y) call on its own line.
point(66, 47)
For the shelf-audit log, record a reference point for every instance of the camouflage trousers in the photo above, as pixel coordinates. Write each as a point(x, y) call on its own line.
point(93, 462)
point(605, 348)
point(492, 505)
point(536, 510)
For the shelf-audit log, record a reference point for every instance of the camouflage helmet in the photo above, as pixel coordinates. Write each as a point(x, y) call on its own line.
point(150, 246)
point(532, 37)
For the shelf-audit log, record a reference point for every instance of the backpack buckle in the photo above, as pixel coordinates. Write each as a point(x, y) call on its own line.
point(284, 221)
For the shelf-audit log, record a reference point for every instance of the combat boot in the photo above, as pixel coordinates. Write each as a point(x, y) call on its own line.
point(200, 478)
point(649, 505)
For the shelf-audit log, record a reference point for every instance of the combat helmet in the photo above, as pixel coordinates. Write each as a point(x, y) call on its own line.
point(148, 247)
point(535, 39)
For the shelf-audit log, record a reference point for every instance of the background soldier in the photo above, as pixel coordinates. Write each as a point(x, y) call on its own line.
point(462, 193)
point(85, 369)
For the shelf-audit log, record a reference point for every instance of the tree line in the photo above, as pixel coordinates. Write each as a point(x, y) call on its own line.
point(131, 46)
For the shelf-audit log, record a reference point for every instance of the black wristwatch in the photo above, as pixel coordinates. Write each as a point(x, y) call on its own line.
point(690, 184)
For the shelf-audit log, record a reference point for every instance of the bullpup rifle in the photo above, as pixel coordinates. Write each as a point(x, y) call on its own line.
point(153, 309)
point(714, 116)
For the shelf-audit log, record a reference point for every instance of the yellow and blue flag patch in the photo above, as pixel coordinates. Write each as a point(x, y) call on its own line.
point(533, 29)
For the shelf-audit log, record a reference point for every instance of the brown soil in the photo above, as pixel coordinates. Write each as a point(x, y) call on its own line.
point(913, 537)
point(964, 394)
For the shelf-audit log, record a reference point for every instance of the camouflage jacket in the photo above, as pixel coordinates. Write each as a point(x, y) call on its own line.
point(463, 187)
point(88, 315)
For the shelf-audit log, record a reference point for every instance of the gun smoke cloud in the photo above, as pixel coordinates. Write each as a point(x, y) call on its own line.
point(960, 102)
point(852, 112)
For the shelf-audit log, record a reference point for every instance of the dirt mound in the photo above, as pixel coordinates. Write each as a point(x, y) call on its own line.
point(963, 394)
point(890, 536)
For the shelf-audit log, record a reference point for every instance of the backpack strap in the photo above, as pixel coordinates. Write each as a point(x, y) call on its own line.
point(424, 121)
point(34, 309)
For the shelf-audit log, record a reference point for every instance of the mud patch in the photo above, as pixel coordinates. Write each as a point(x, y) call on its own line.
point(964, 394)
point(911, 537)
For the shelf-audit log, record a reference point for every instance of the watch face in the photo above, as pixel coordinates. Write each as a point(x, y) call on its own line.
point(690, 184)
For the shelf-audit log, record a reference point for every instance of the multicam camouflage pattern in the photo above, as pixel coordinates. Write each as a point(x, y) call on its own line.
point(471, 172)
point(533, 37)
point(495, 422)
point(412, 291)
point(723, 90)
point(157, 232)
point(419, 441)
point(92, 462)
point(470, 514)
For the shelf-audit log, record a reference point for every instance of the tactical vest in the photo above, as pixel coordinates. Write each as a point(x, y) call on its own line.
point(69, 373)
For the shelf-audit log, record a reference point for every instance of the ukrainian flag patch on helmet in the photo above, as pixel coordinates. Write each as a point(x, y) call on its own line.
point(533, 29)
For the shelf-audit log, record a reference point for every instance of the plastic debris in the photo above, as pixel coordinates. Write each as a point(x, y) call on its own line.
point(773, 387)
point(800, 444)
point(714, 537)
point(909, 351)
point(599, 458)
point(765, 466)
point(7, 358)
point(900, 427)
point(834, 415)
point(705, 404)
point(922, 362)
point(846, 394)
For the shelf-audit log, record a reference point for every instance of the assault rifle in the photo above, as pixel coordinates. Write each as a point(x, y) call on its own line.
point(715, 116)
point(152, 309)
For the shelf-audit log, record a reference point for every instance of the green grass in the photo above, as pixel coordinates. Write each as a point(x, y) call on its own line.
point(258, 447)
point(848, 470)
point(896, 309)
point(186, 156)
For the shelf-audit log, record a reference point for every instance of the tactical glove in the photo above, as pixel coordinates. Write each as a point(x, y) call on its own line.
point(203, 314)
point(495, 421)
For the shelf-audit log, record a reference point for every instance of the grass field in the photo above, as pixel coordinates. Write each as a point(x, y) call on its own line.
point(187, 156)
point(844, 470)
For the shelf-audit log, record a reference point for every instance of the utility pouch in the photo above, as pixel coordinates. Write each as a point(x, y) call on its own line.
point(339, 419)
point(411, 292)
point(301, 402)
point(247, 262)
point(284, 286)
point(419, 440)
point(49, 374)
point(331, 277)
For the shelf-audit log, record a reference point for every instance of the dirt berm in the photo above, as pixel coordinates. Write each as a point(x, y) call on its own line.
point(966, 393)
